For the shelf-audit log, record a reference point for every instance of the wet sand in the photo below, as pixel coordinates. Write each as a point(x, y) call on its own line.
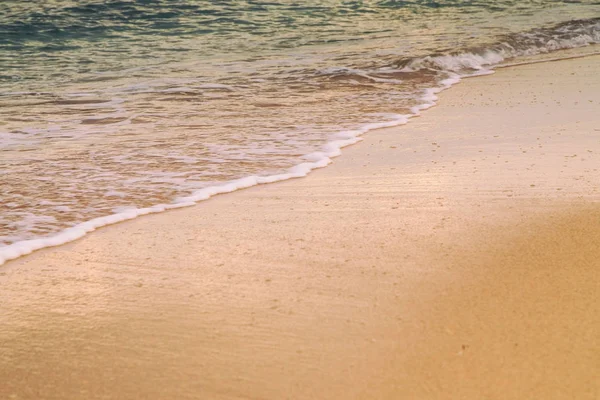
point(454, 257)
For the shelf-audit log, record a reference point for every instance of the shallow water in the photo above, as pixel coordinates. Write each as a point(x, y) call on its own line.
point(113, 106)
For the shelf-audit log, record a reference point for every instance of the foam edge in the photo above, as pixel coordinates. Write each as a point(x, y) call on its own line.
point(315, 160)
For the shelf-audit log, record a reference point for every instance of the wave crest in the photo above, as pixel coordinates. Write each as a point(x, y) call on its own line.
point(567, 35)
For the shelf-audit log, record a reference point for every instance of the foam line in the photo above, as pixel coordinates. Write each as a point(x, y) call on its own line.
point(313, 161)
point(569, 35)
point(318, 159)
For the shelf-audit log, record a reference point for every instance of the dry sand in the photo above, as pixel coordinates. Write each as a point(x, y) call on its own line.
point(456, 257)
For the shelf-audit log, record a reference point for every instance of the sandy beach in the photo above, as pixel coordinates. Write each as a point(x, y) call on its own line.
point(455, 257)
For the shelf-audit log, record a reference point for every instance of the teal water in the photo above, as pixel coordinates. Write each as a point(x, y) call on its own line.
point(109, 106)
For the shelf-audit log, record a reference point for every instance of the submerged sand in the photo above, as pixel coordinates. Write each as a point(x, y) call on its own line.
point(455, 257)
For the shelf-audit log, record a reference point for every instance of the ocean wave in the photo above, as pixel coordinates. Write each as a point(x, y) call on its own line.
point(566, 35)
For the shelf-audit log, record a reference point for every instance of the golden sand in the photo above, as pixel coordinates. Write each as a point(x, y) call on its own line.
point(456, 257)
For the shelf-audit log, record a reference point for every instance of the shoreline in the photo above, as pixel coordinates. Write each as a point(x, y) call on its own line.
point(313, 161)
point(409, 267)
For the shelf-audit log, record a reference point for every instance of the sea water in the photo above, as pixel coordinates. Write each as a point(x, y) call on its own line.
point(114, 109)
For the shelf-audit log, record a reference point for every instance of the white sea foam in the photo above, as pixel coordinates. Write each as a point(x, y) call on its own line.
point(457, 62)
point(540, 41)
point(314, 160)
point(114, 193)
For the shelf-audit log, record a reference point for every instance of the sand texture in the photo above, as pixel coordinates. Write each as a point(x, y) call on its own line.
point(456, 257)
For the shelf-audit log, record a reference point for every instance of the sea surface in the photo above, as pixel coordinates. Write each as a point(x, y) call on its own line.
point(114, 109)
